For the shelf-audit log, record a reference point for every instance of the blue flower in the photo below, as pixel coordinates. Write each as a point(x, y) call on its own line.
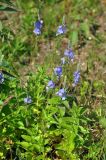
point(1, 78)
point(76, 77)
point(69, 53)
point(58, 71)
point(61, 30)
point(63, 60)
point(61, 93)
point(38, 24)
point(37, 31)
point(50, 85)
point(28, 100)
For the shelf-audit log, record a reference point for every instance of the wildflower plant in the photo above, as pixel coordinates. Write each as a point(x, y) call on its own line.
point(43, 124)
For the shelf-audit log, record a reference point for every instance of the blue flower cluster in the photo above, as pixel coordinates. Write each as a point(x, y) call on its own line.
point(39, 24)
point(58, 72)
point(68, 53)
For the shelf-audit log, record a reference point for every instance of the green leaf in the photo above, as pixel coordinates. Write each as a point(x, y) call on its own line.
point(8, 2)
point(26, 138)
point(66, 103)
point(40, 157)
point(20, 125)
point(36, 147)
point(1, 27)
point(1, 154)
point(85, 27)
point(53, 100)
point(7, 68)
point(67, 143)
point(25, 145)
point(74, 37)
point(8, 72)
point(83, 130)
point(103, 122)
point(5, 8)
point(84, 88)
point(52, 109)
point(1, 102)
point(6, 110)
point(62, 111)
